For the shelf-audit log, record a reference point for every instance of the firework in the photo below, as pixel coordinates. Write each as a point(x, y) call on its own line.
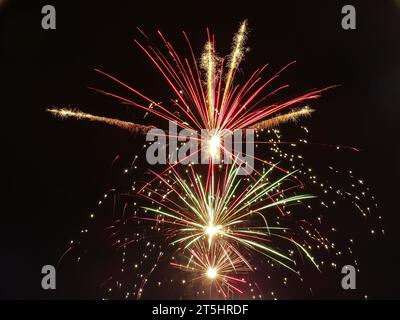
point(220, 266)
point(182, 223)
point(221, 225)
point(226, 211)
point(205, 95)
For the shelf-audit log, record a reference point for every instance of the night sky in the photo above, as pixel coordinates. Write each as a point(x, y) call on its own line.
point(55, 171)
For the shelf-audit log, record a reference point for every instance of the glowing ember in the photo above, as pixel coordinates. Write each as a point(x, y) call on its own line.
point(211, 273)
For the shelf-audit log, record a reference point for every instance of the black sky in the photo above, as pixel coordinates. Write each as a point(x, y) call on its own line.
point(55, 171)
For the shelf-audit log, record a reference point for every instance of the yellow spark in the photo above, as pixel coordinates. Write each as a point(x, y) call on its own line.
point(212, 230)
point(235, 57)
point(214, 144)
point(79, 115)
point(277, 120)
point(212, 273)
point(208, 64)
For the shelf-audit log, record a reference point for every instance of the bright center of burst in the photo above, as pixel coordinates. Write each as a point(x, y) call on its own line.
point(211, 273)
point(212, 230)
point(214, 144)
